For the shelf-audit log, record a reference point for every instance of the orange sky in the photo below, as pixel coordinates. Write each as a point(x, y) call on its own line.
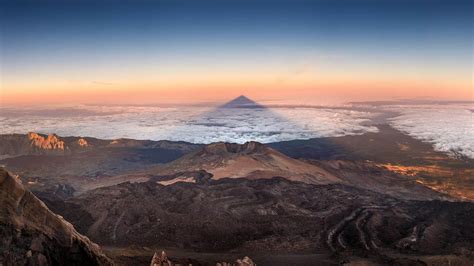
point(305, 87)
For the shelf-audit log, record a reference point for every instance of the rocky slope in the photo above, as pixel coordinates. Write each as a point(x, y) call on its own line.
point(80, 161)
point(272, 215)
point(330, 197)
point(32, 143)
point(388, 162)
point(254, 160)
point(251, 160)
point(30, 234)
point(395, 151)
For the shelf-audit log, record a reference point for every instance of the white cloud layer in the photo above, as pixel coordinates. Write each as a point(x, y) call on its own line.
point(447, 127)
point(192, 124)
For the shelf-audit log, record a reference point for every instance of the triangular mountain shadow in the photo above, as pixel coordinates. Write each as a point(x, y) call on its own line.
point(237, 121)
point(242, 102)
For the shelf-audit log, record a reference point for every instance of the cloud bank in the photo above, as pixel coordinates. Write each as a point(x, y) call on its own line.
point(448, 127)
point(192, 124)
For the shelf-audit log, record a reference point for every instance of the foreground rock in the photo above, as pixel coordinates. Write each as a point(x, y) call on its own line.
point(160, 260)
point(30, 234)
point(163, 260)
point(246, 261)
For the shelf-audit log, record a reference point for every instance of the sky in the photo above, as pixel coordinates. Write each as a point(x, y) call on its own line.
point(55, 52)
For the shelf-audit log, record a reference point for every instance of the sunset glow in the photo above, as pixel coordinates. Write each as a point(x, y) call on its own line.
point(183, 52)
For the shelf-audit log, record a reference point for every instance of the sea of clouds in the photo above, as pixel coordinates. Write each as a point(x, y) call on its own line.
point(192, 124)
point(448, 127)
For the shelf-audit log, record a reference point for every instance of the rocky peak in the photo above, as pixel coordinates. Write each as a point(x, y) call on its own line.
point(250, 147)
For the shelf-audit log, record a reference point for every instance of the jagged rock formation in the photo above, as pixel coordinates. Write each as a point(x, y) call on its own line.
point(32, 143)
point(51, 142)
point(160, 260)
point(30, 234)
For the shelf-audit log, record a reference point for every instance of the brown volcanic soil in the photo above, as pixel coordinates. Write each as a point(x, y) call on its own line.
point(371, 176)
point(251, 160)
point(108, 162)
point(395, 151)
point(271, 215)
point(386, 146)
point(360, 210)
point(84, 167)
point(30, 234)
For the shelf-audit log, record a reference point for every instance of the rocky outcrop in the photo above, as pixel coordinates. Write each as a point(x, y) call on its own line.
point(160, 260)
point(12, 145)
point(163, 260)
point(246, 261)
point(32, 144)
point(30, 234)
point(82, 142)
point(51, 142)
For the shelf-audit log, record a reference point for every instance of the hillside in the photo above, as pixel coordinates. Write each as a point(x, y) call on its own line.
point(251, 160)
point(30, 234)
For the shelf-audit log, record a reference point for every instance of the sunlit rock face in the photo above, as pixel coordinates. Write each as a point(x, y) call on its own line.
point(32, 144)
point(160, 260)
point(82, 142)
point(36, 236)
point(51, 142)
point(39, 144)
